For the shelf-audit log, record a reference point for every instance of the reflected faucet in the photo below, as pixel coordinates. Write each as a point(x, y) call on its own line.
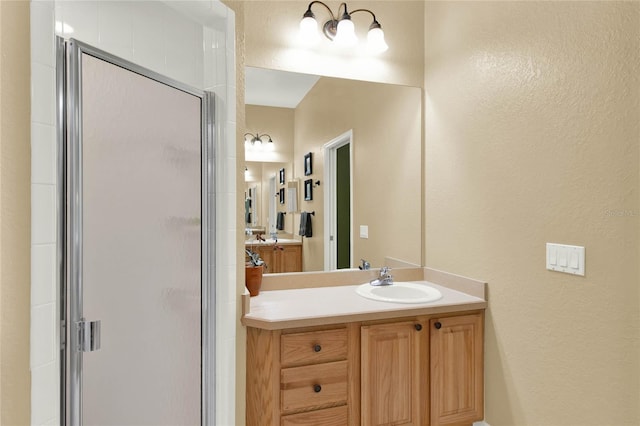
point(385, 278)
point(365, 265)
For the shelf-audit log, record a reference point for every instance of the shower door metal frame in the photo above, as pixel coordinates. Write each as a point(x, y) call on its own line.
point(69, 232)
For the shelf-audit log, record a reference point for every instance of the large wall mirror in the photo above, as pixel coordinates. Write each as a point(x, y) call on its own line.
point(361, 197)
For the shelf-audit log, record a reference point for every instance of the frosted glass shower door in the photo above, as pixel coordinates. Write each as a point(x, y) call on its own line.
point(140, 251)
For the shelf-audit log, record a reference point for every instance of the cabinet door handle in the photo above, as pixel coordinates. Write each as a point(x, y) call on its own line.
point(418, 327)
point(437, 325)
point(317, 388)
point(317, 348)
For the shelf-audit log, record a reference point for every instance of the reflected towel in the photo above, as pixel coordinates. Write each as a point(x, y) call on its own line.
point(305, 225)
point(247, 211)
point(280, 221)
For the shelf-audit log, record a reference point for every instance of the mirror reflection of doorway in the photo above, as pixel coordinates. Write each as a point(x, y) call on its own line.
point(272, 205)
point(338, 203)
point(343, 207)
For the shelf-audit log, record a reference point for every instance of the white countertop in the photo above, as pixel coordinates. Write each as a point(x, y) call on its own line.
point(257, 243)
point(280, 309)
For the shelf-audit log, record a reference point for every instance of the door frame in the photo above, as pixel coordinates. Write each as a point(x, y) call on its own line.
point(330, 194)
point(69, 223)
point(272, 205)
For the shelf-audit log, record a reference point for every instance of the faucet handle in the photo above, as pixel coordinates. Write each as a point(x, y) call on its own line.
point(365, 265)
point(385, 278)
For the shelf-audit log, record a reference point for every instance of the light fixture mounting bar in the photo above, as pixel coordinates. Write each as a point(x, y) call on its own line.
point(257, 138)
point(339, 28)
point(375, 23)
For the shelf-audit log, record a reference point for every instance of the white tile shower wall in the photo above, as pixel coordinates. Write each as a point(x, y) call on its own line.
point(158, 37)
point(216, 44)
point(44, 334)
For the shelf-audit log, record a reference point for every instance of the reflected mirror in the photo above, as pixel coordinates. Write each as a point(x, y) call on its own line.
point(356, 147)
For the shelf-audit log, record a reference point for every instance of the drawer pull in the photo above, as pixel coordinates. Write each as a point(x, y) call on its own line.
point(418, 327)
point(438, 325)
point(317, 348)
point(317, 388)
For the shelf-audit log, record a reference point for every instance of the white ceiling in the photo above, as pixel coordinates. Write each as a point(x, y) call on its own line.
point(276, 88)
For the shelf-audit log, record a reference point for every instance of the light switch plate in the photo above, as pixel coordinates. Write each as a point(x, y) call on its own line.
point(364, 231)
point(565, 258)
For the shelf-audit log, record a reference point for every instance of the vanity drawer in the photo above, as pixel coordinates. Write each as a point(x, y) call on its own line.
point(313, 347)
point(337, 416)
point(313, 387)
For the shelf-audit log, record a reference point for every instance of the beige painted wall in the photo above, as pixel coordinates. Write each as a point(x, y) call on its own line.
point(15, 215)
point(278, 123)
point(386, 124)
point(272, 41)
point(532, 136)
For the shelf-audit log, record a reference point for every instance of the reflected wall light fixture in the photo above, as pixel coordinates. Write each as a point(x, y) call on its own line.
point(256, 141)
point(340, 29)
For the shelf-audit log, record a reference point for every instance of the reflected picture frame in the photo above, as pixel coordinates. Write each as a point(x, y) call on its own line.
point(281, 194)
point(308, 190)
point(281, 175)
point(308, 164)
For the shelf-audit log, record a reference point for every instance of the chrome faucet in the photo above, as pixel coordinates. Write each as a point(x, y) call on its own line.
point(365, 265)
point(385, 278)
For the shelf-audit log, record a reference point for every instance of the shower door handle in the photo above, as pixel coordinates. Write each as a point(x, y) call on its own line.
point(88, 335)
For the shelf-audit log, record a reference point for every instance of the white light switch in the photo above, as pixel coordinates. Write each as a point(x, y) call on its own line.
point(564, 258)
point(364, 231)
point(552, 255)
point(574, 260)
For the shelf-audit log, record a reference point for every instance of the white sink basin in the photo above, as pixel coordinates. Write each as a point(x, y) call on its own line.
point(400, 292)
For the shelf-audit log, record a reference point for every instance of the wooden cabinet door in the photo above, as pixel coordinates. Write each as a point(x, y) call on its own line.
point(390, 362)
point(267, 254)
point(457, 378)
point(289, 259)
point(291, 256)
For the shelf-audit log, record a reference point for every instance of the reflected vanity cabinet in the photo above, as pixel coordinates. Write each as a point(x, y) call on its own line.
point(425, 370)
point(288, 258)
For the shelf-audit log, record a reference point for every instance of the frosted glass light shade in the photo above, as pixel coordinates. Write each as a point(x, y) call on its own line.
point(346, 34)
point(309, 30)
point(375, 41)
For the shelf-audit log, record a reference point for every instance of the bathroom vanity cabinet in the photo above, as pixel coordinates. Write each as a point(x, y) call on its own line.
point(415, 370)
point(289, 259)
point(439, 360)
point(394, 373)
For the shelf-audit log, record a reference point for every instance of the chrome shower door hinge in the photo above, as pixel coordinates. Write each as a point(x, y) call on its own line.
point(63, 335)
point(88, 335)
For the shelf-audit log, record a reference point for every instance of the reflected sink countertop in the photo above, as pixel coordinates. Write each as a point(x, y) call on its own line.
point(302, 307)
point(281, 241)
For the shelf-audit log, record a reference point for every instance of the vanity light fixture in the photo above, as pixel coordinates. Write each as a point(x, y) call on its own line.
point(340, 28)
point(256, 140)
